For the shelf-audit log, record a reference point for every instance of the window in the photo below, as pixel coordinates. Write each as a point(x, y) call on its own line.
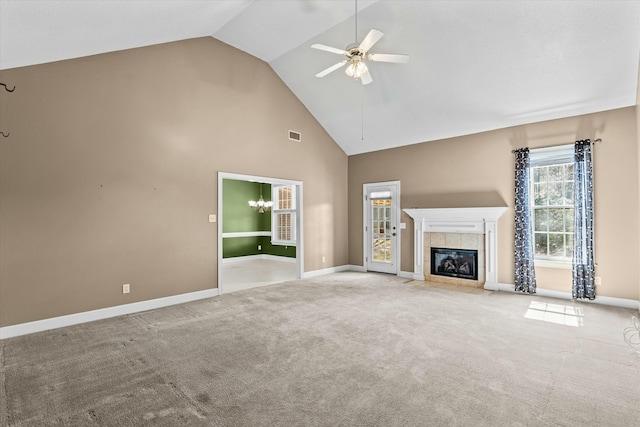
point(283, 217)
point(552, 203)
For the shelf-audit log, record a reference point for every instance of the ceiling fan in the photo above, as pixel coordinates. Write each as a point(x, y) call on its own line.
point(356, 55)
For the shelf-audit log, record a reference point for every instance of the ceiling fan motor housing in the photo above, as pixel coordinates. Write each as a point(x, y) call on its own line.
point(354, 52)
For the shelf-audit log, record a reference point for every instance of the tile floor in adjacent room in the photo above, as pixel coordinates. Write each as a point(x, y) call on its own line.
point(238, 275)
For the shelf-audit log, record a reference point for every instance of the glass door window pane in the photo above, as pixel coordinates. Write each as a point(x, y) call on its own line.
point(381, 227)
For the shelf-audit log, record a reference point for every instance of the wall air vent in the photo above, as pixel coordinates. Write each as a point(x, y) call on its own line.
point(295, 136)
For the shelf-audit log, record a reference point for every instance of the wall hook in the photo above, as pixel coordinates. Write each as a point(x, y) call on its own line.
point(7, 88)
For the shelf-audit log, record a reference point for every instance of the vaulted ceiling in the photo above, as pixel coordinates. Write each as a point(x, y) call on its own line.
point(475, 65)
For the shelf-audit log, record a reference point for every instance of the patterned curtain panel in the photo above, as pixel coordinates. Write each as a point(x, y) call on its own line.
point(525, 273)
point(583, 260)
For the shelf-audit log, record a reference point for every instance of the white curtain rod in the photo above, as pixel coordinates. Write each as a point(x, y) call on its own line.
point(595, 141)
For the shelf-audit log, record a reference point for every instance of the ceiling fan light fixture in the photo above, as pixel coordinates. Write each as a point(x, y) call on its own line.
point(356, 69)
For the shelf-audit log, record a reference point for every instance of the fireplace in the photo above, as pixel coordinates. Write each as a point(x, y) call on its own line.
point(455, 228)
point(458, 263)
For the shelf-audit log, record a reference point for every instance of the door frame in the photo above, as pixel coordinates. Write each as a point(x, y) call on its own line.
point(365, 218)
point(299, 219)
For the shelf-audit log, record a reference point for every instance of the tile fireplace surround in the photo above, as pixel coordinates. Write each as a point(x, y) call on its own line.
point(468, 241)
point(458, 227)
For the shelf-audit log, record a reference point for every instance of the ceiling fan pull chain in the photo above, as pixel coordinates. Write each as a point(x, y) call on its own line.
point(361, 112)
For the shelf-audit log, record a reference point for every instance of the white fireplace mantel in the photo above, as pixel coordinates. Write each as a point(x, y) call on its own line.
point(458, 220)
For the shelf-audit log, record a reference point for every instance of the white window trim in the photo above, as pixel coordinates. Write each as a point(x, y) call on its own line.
point(547, 157)
point(553, 263)
point(275, 212)
point(551, 155)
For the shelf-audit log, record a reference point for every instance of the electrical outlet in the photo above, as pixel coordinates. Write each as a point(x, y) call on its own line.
point(212, 218)
point(259, 247)
point(126, 288)
point(324, 259)
point(597, 281)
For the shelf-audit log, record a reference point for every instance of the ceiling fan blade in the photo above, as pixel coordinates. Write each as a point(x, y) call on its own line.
point(328, 49)
point(389, 57)
point(371, 39)
point(366, 78)
point(331, 69)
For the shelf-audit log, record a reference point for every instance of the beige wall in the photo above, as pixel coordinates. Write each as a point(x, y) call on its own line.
point(110, 172)
point(477, 170)
point(638, 145)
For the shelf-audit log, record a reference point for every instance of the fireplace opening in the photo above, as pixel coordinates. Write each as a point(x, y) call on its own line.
point(458, 263)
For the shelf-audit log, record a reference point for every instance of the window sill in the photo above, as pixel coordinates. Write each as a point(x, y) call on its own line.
point(552, 264)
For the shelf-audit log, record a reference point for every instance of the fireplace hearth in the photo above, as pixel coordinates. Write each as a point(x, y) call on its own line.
point(458, 263)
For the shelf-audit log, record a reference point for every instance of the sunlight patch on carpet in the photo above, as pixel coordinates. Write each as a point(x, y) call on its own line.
point(555, 313)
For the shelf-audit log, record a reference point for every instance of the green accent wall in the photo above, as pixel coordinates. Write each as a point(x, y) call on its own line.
point(239, 217)
point(240, 246)
point(277, 250)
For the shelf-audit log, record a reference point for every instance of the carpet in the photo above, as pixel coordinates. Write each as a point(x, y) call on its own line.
point(345, 349)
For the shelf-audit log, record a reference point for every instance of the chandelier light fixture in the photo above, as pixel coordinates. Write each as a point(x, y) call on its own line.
point(260, 205)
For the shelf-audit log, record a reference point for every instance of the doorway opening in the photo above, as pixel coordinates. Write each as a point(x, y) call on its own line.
point(251, 250)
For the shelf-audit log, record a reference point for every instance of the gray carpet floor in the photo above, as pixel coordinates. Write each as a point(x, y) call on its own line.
point(346, 349)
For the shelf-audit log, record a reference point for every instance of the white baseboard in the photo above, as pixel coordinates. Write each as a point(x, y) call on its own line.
point(322, 272)
point(360, 269)
point(136, 307)
point(279, 258)
point(406, 274)
point(103, 313)
point(240, 259)
point(604, 300)
point(259, 256)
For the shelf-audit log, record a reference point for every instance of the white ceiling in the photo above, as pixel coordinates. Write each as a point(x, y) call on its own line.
point(475, 65)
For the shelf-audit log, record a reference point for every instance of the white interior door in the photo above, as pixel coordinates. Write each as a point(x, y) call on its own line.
point(381, 235)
